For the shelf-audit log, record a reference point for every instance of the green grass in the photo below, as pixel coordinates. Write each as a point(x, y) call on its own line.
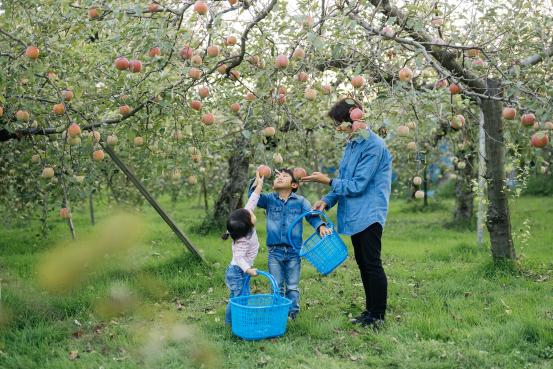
point(449, 305)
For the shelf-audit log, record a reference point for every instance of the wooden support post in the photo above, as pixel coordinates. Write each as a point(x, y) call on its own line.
point(152, 201)
point(91, 205)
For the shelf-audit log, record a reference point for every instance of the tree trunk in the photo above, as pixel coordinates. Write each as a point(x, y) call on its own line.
point(464, 195)
point(498, 219)
point(231, 193)
point(425, 185)
point(481, 180)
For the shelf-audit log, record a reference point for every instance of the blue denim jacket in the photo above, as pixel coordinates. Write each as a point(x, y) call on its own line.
point(362, 189)
point(281, 214)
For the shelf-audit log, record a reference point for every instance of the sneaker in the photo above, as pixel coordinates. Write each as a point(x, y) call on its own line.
point(361, 317)
point(292, 316)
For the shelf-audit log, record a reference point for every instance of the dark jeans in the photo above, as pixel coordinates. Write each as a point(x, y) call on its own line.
point(366, 245)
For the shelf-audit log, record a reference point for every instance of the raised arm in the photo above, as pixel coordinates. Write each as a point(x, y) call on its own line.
point(255, 194)
point(262, 198)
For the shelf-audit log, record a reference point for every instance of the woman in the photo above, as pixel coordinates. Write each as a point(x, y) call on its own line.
point(362, 191)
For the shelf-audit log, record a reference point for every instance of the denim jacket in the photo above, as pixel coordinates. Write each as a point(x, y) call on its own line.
point(362, 189)
point(281, 214)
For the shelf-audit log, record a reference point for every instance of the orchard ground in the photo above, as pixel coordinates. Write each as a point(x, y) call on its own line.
point(449, 305)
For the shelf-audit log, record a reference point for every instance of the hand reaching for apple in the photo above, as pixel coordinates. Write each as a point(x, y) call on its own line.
point(317, 177)
point(258, 182)
point(320, 205)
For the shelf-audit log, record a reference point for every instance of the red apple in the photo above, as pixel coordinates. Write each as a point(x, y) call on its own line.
point(196, 60)
point(454, 89)
point(358, 81)
point(539, 139)
point(405, 74)
point(235, 107)
point(135, 66)
point(200, 7)
point(457, 122)
point(93, 13)
point(32, 52)
point(124, 110)
point(67, 95)
point(308, 22)
point(250, 96)
point(74, 130)
point(509, 113)
point(222, 69)
point(196, 105)
point(310, 94)
point(231, 41)
point(303, 77)
point(213, 51)
point(138, 141)
point(299, 53)
point(412, 146)
point(402, 130)
point(154, 51)
point(327, 89)
point(264, 171)
point(64, 213)
point(232, 2)
point(234, 75)
point(195, 73)
point(153, 7)
point(112, 140)
point(192, 180)
point(356, 114)
point(22, 116)
point(281, 61)
point(388, 31)
point(208, 119)
point(528, 119)
point(122, 63)
point(186, 52)
point(473, 53)
point(98, 155)
point(59, 109)
point(269, 131)
point(299, 173)
point(203, 91)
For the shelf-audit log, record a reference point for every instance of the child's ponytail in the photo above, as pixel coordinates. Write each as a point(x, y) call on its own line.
point(225, 235)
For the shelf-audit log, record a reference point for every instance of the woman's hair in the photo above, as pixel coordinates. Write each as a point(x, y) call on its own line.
point(239, 224)
point(341, 109)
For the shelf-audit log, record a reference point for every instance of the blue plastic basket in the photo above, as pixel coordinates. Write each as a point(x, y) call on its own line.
point(324, 253)
point(255, 317)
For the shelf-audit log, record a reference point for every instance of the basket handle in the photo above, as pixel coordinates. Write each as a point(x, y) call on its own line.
point(300, 218)
point(269, 276)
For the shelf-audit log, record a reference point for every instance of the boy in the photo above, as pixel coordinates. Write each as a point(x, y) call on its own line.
point(282, 207)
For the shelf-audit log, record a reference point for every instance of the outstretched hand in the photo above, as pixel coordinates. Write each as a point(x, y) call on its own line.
point(317, 177)
point(258, 182)
point(320, 205)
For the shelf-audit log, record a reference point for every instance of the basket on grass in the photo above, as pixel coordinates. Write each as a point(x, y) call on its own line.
point(324, 253)
point(259, 316)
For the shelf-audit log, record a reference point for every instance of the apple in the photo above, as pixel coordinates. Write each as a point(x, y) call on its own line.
point(269, 131)
point(299, 173)
point(32, 52)
point(186, 52)
point(124, 110)
point(93, 12)
point(153, 7)
point(96, 136)
point(454, 89)
point(479, 63)
point(208, 119)
point(411, 125)
point(473, 53)
point(405, 74)
point(121, 63)
point(112, 140)
point(412, 146)
point(310, 94)
point(417, 181)
point(461, 164)
point(67, 95)
point(254, 60)
point(307, 22)
point(356, 114)
point(195, 73)
point(73, 141)
point(509, 113)
point(539, 139)
point(138, 141)
point(528, 119)
point(222, 69)
point(74, 130)
point(264, 171)
point(281, 61)
point(196, 60)
point(51, 76)
point(234, 75)
point(64, 213)
point(281, 100)
point(299, 53)
point(203, 91)
point(250, 96)
point(213, 51)
point(235, 107)
point(47, 172)
point(419, 195)
point(536, 125)
point(22, 116)
point(59, 109)
point(154, 51)
point(277, 158)
point(358, 81)
point(232, 2)
point(327, 89)
point(98, 155)
point(388, 31)
point(437, 22)
point(135, 66)
point(548, 125)
point(402, 130)
point(457, 122)
point(35, 158)
point(303, 77)
point(192, 180)
point(200, 7)
point(196, 105)
point(231, 41)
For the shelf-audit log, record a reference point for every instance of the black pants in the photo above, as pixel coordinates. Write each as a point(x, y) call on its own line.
point(366, 245)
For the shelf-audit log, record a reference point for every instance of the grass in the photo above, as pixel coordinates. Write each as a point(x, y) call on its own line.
point(449, 305)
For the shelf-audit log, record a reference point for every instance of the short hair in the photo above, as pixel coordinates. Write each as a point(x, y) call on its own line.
point(341, 109)
point(239, 224)
point(291, 173)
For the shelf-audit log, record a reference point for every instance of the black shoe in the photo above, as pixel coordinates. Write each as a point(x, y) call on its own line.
point(292, 316)
point(372, 322)
point(361, 317)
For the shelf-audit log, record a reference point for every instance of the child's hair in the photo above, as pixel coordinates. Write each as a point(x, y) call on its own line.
point(239, 224)
point(341, 109)
point(291, 173)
